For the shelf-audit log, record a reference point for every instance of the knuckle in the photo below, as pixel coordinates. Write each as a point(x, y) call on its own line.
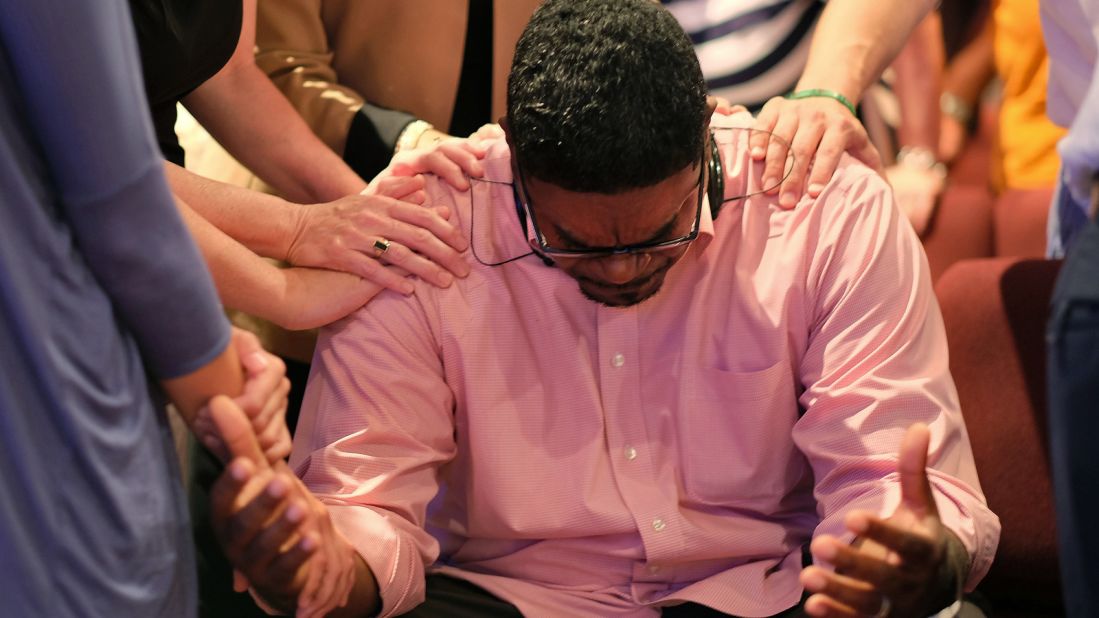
point(369, 267)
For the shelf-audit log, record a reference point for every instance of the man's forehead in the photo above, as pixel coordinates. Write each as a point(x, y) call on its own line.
point(631, 217)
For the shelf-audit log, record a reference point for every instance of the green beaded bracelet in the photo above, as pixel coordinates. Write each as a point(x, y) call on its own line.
point(828, 94)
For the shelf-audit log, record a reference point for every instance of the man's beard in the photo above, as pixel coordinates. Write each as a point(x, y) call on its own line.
point(632, 293)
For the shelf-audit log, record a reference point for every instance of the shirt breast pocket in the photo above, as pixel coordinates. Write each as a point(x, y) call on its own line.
point(735, 443)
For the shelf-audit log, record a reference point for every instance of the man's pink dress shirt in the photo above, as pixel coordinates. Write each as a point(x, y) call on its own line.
point(581, 460)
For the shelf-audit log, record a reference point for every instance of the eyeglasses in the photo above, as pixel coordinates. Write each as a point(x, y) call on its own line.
point(602, 252)
point(718, 136)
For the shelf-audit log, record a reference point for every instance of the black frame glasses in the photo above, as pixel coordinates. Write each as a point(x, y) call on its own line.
point(715, 188)
point(602, 252)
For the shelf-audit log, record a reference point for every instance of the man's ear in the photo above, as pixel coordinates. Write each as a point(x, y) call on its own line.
point(712, 104)
point(503, 122)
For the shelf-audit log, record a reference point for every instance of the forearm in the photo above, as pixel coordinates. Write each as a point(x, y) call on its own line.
point(244, 280)
point(855, 40)
point(263, 223)
point(919, 70)
point(221, 376)
point(244, 111)
point(972, 68)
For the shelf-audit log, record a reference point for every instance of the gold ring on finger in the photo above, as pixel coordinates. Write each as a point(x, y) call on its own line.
point(381, 246)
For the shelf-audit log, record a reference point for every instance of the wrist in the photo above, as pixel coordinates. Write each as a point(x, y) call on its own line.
point(824, 93)
point(430, 138)
point(297, 220)
point(409, 138)
point(953, 574)
point(955, 107)
point(921, 158)
point(270, 605)
point(847, 88)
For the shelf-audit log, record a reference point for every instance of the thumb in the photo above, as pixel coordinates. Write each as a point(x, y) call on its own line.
point(240, 582)
point(250, 351)
point(912, 466)
point(235, 431)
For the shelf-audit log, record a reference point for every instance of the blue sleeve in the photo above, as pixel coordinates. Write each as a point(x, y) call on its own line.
point(76, 64)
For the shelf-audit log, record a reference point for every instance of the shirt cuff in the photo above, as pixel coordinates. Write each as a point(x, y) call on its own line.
point(391, 552)
point(372, 137)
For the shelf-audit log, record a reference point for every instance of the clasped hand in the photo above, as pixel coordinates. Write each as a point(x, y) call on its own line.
point(263, 401)
point(279, 538)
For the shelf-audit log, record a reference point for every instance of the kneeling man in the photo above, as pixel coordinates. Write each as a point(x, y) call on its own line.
point(658, 393)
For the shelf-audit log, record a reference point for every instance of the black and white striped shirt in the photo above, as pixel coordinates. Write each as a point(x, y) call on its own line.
point(750, 50)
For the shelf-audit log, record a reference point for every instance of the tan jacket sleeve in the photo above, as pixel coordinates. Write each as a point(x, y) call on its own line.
point(292, 49)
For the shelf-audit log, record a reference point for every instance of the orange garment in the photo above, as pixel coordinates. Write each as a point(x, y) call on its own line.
point(1026, 155)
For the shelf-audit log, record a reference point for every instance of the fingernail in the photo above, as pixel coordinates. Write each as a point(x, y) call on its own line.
point(858, 525)
point(770, 185)
point(294, 513)
point(258, 360)
point(815, 189)
point(238, 471)
point(407, 289)
point(276, 488)
point(787, 200)
point(308, 542)
point(826, 551)
point(757, 152)
point(445, 279)
point(813, 580)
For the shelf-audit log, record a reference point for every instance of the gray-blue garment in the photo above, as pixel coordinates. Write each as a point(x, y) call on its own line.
point(99, 284)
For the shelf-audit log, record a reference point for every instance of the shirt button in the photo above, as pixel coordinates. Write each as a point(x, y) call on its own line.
point(618, 360)
point(658, 524)
point(631, 453)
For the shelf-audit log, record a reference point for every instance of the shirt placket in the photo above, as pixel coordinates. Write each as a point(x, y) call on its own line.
point(631, 451)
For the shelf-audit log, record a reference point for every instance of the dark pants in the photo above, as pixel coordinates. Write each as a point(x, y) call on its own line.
point(1073, 367)
point(455, 598)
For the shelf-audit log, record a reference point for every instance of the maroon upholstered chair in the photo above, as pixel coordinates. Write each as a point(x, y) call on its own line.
point(1019, 222)
point(995, 314)
point(960, 228)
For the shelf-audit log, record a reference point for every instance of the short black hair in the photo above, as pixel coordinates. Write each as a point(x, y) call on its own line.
point(605, 96)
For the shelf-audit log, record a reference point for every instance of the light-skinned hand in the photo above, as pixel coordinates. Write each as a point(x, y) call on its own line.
point(917, 192)
point(263, 400)
point(818, 130)
point(451, 159)
point(341, 236)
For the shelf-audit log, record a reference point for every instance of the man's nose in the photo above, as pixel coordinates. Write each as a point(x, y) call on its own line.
point(620, 269)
